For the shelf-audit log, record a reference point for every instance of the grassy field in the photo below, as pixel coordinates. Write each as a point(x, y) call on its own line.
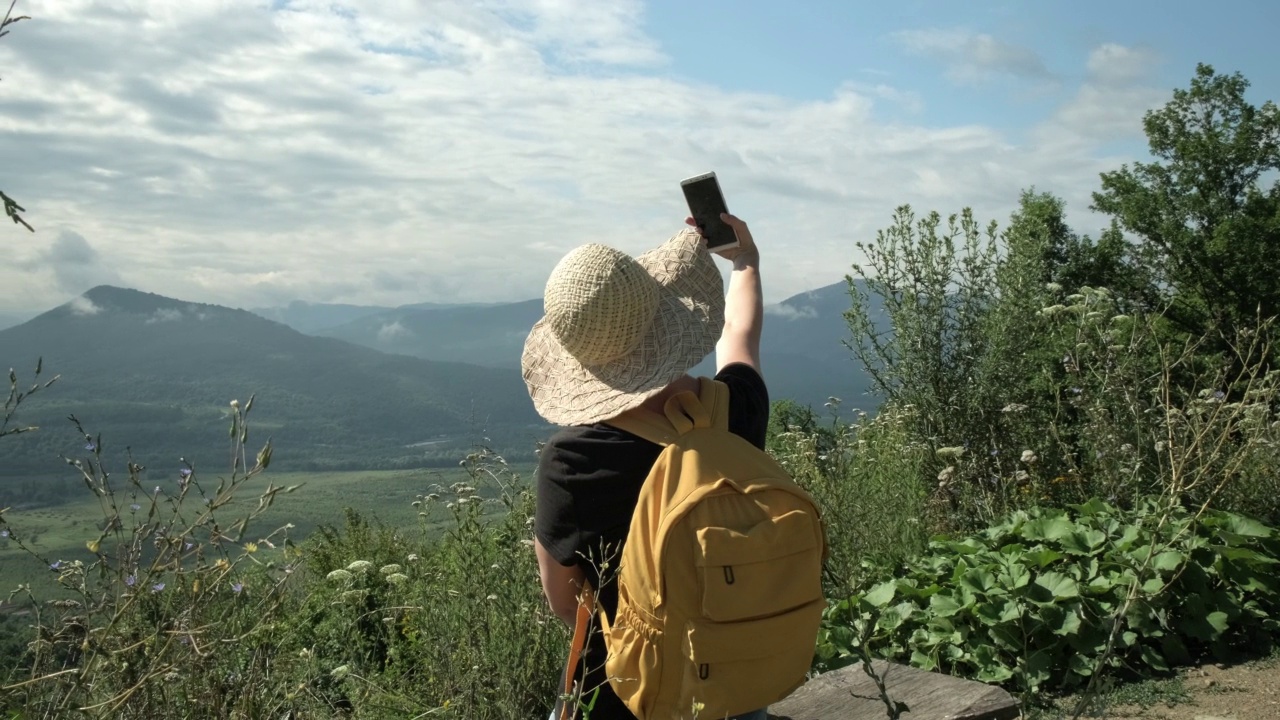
point(59, 532)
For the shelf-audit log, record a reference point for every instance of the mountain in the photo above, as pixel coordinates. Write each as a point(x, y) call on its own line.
point(488, 335)
point(9, 319)
point(157, 374)
point(310, 318)
point(801, 350)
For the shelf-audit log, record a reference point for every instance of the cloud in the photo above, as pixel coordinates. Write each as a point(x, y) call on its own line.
point(252, 153)
point(788, 312)
point(164, 315)
point(74, 264)
point(393, 331)
point(974, 57)
point(81, 305)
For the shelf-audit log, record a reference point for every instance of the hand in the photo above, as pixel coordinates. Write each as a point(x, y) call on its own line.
point(746, 243)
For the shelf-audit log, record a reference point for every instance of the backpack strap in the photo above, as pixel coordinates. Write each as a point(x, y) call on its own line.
point(682, 413)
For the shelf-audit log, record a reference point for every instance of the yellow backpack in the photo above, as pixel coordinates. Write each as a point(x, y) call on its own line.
point(719, 585)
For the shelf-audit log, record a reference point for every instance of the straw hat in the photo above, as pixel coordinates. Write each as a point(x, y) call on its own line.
point(618, 329)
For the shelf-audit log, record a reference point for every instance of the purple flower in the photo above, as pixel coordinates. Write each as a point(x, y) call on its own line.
point(236, 587)
point(188, 545)
point(157, 587)
point(135, 507)
point(1219, 395)
point(130, 580)
point(184, 473)
point(55, 565)
point(4, 533)
point(90, 446)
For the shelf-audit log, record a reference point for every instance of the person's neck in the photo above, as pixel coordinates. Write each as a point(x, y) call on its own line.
point(658, 402)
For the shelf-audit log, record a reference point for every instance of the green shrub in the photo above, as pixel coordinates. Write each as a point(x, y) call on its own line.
point(865, 477)
point(452, 624)
point(1039, 601)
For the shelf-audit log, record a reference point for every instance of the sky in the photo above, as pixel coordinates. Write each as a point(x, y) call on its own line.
point(251, 153)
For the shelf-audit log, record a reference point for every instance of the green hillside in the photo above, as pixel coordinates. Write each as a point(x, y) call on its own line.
point(157, 374)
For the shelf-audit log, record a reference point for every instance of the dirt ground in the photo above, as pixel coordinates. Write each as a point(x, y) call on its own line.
point(1250, 691)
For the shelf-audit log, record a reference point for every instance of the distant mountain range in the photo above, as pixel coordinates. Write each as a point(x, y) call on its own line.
point(157, 374)
point(802, 348)
point(372, 387)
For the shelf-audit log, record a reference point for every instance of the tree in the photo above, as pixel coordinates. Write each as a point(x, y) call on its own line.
point(1209, 231)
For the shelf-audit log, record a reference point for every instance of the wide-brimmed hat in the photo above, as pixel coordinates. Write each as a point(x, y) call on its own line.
point(617, 329)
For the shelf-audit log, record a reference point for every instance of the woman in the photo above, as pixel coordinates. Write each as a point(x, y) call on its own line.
point(621, 333)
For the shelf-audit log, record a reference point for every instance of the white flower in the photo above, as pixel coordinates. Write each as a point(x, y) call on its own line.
point(1021, 476)
point(235, 404)
point(339, 672)
point(1029, 457)
point(947, 473)
point(339, 576)
point(951, 452)
point(360, 566)
point(397, 578)
point(389, 569)
point(413, 557)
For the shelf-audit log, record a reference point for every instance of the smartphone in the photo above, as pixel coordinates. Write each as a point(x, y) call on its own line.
point(706, 203)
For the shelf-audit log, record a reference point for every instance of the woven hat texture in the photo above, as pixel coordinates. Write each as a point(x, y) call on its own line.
point(617, 330)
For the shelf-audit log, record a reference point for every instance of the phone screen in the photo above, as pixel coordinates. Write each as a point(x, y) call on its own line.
point(706, 202)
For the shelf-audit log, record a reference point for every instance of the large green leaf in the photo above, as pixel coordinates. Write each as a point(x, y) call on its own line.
point(1059, 586)
point(1047, 528)
point(881, 594)
point(1168, 561)
point(980, 581)
point(1083, 542)
point(944, 605)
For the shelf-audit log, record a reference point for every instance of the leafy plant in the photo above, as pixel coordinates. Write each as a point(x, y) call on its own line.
point(1029, 602)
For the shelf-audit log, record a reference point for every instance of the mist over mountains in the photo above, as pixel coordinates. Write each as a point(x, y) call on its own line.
point(362, 387)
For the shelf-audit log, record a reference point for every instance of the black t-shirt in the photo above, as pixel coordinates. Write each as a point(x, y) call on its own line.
point(588, 482)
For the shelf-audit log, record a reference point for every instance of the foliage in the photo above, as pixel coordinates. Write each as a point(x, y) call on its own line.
point(16, 396)
point(865, 477)
point(1207, 227)
point(144, 625)
point(1029, 602)
point(454, 624)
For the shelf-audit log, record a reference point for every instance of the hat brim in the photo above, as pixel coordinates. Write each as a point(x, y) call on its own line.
point(685, 329)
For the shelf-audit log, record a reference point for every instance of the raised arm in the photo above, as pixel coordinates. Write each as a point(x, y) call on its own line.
point(744, 302)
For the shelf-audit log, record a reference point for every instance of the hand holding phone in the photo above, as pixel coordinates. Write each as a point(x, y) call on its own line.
point(706, 205)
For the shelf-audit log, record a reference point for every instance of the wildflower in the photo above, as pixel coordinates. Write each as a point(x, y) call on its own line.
point(339, 576)
point(360, 566)
point(1076, 391)
point(491, 597)
point(135, 507)
point(339, 672)
point(251, 547)
point(157, 587)
point(236, 587)
point(131, 580)
point(1160, 446)
point(1013, 408)
point(397, 578)
point(1029, 457)
point(235, 404)
point(184, 473)
point(951, 452)
point(91, 446)
point(389, 569)
point(56, 565)
point(4, 533)
point(304, 653)
point(1021, 476)
point(188, 545)
point(1053, 287)
point(413, 557)
point(222, 564)
point(947, 473)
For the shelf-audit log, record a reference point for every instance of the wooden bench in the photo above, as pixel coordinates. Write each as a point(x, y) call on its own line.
point(849, 694)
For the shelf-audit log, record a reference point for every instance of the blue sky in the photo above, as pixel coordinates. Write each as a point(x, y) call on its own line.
point(256, 152)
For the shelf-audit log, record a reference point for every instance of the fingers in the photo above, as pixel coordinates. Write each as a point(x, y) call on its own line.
point(732, 221)
point(691, 222)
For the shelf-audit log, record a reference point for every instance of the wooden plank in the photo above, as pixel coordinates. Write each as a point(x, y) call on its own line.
point(849, 694)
